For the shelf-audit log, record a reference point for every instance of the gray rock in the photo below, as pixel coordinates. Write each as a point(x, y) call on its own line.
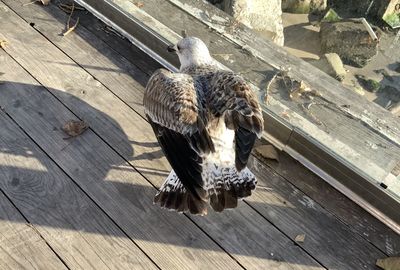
point(332, 65)
point(391, 14)
point(368, 84)
point(385, 74)
point(304, 6)
point(388, 97)
point(260, 15)
point(397, 69)
point(350, 40)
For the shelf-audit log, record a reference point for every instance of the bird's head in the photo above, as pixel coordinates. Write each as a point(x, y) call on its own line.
point(191, 51)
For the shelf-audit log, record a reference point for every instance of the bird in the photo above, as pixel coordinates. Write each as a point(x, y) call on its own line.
point(206, 120)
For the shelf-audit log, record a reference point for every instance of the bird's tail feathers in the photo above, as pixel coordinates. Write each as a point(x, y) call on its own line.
point(227, 186)
point(224, 187)
point(174, 196)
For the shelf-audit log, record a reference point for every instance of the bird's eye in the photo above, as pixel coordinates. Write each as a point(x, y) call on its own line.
point(179, 48)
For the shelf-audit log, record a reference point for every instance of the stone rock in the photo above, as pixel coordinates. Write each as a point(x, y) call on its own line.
point(397, 69)
point(218, 3)
point(331, 16)
point(260, 15)
point(374, 10)
point(304, 6)
point(350, 40)
point(368, 84)
point(385, 74)
point(331, 64)
point(388, 97)
point(390, 12)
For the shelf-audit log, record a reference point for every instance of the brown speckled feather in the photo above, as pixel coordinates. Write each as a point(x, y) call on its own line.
point(183, 109)
point(171, 100)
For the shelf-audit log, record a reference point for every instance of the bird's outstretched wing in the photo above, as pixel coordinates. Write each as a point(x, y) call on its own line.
point(232, 97)
point(175, 111)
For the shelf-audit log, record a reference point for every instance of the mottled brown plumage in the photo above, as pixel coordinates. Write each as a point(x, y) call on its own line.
point(206, 121)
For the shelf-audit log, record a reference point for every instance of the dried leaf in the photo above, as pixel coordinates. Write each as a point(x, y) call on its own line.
point(300, 238)
point(45, 2)
point(139, 4)
point(268, 151)
point(391, 263)
point(3, 43)
point(285, 114)
point(74, 128)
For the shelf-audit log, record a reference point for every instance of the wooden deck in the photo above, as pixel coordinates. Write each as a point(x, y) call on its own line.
point(86, 202)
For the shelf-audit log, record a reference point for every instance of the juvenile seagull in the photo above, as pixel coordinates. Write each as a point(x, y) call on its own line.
point(206, 121)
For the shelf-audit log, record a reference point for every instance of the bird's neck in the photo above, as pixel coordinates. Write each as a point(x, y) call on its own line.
point(196, 61)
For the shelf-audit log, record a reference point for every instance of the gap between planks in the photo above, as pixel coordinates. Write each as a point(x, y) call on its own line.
point(380, 236)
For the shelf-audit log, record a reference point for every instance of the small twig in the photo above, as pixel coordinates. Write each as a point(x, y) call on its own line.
point(369, 7)
point(306, 108)
point(65, 146)
point(64, 9)
point(184, 33)
point(70, 15)
point(369, 29)
point(72, 28)
point(30, 3)
point(70, 7)
point(264, 187)
point(268, 86)
point(222, 54)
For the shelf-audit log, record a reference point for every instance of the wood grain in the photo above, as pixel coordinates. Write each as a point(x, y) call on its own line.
point(171, 240)
point(278, 249)
point(21, 247)
point(149, 161)
point(335, 202)
point(361, 221)
point(366, 225)
point(331, 242)
point(78, 230)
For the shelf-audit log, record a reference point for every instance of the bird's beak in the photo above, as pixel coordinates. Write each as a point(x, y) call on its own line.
point(171, 48)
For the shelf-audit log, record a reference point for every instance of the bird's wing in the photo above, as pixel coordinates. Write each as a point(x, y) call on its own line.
point(175, 112)
point(230, 96)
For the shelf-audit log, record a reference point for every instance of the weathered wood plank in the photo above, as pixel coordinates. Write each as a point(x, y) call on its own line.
point(368, 226)
point(375, 164)
point(171, 240)
point(21, 247)
point(78, 230)
point(330, 241)
point(114, 40)
point(79, 51)
point(338, 204)
point(148, 157)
